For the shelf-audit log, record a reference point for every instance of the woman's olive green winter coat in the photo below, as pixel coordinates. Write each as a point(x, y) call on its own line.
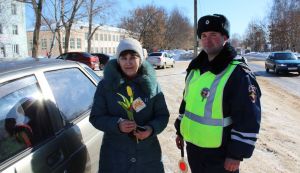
point(120, 153)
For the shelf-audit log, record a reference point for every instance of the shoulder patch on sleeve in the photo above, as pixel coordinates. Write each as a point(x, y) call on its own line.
point(252, 93)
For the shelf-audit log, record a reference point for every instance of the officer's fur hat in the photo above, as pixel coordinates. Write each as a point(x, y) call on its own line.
point(215, 22)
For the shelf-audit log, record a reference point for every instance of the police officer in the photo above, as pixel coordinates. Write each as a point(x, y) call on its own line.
point(220, 112)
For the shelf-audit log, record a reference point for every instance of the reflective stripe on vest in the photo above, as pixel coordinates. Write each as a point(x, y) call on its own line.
point(203, 122)
point(209, 121)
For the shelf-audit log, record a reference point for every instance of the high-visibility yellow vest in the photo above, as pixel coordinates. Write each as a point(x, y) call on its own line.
point(203, 122)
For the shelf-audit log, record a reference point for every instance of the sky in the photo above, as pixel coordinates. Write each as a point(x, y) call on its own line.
point(239, 12)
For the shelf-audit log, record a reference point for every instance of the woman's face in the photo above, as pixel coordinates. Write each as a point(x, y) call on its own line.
point(129, 63)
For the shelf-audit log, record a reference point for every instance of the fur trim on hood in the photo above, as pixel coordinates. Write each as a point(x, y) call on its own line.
point(146, 79)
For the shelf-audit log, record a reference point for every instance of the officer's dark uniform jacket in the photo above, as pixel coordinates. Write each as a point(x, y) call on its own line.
point(240, 101)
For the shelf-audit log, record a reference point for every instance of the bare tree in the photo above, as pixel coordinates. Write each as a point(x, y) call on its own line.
point(179, 32)
point(37, 6)
point(96, 8)
point(284, 25)
point(255, 36)
point(147, 24)
point(68, 17)
point(53, 21)
point(236, 40)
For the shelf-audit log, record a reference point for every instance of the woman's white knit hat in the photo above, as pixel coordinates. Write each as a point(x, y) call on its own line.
point(130, 44)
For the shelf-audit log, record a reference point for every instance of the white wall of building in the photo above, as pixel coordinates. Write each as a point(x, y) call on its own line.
point(105, 40)
point(13, 40)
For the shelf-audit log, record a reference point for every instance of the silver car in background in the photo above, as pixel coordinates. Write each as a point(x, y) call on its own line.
point(161, 60)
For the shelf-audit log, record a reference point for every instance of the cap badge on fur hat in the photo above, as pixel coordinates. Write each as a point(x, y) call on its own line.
point(207, 22)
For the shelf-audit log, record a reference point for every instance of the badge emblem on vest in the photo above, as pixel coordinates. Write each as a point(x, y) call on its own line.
point(205, 93)
point(252, 93)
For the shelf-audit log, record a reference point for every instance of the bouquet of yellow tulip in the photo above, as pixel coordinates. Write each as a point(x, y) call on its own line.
point(127, 104)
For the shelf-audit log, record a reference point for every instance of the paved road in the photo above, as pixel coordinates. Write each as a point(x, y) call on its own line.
point(289, 82)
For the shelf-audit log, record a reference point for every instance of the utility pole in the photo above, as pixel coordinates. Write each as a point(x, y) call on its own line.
point(195, 30)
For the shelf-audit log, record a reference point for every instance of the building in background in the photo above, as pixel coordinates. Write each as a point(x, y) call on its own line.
point(105, 40)
point(13, 43)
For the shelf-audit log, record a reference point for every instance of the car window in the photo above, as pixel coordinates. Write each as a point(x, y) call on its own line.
point(86, 55)
point(19, 111)
point(284, 56)
point(155, 54)
point(93, 74)
point(72, 56)
point(64, 56)
point(72, 90)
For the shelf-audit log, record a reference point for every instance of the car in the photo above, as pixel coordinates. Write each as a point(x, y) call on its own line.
point(103, 59)
point(297, 55)
point(83, 57)
point(160, 59)
point(282, 62)
point(44, 121)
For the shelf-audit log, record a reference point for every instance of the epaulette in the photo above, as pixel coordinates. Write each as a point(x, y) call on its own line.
point(246, 68)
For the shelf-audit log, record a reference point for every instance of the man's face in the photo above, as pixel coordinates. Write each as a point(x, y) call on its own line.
point(212, 42)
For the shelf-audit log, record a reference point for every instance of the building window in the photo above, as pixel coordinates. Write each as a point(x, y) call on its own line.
point(105, 37)
point(44, 44)
point(30, 44)
point(15, 48)
point(13, 9)
point(50, 42)
point(78, 43)
point(63, 43)
point(109, 37)
point(101, 37)
point(15, 29)
point(86, 36)
point(2, 51)
point(1, 29)
point(72, 43)
point(96, 37)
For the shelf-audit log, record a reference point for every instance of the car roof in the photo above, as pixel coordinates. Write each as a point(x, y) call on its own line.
point(281, 52)
point(30, 63)
point(103, 54)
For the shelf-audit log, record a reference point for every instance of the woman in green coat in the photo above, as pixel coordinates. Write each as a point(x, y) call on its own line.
point(130, 109)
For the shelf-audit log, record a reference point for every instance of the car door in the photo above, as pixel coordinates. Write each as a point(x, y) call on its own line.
point(22, 99)
point(73, 91)
point(170, 60)
point(270, 61)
